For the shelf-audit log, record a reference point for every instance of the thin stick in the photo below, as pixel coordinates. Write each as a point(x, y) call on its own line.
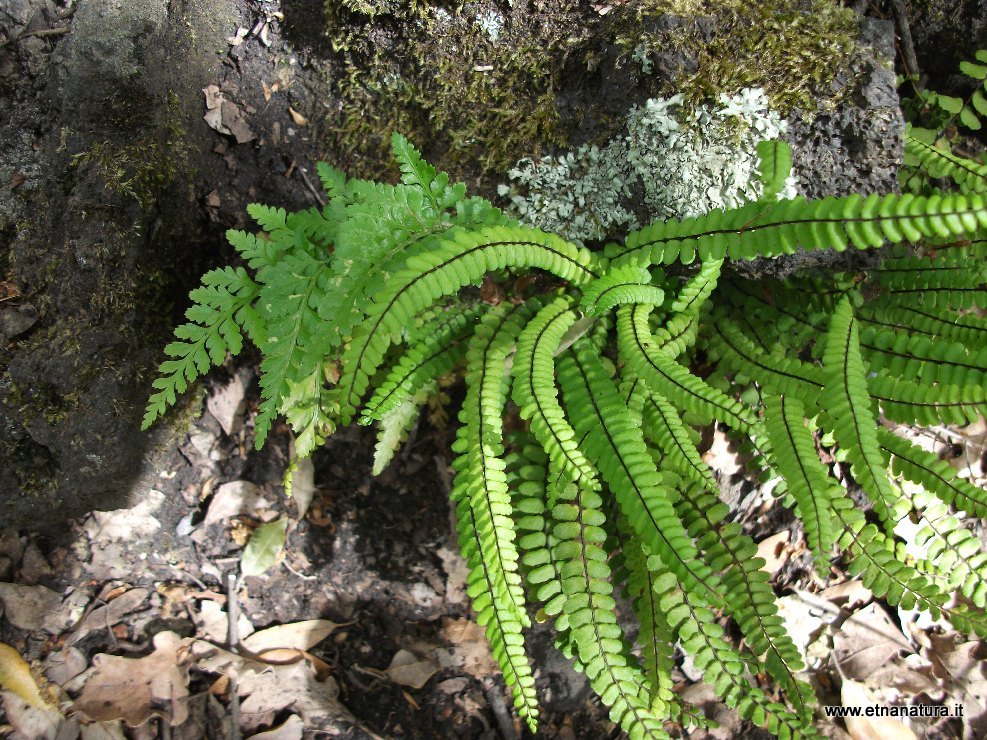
point(500, 711)
point(907, 45)
point(233, 642)
point(311, 188)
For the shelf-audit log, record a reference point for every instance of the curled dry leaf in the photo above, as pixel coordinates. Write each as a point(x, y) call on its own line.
point(299, 635)
point(15, 676)
point(407, 669)
point(136, 689)
point(854, 694)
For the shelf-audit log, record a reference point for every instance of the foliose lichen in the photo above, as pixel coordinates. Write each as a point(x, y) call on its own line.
point(669, 164)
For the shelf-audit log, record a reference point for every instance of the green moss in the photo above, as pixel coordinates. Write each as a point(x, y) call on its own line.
point(794, 49)
point(472, 86)
point(143, 169)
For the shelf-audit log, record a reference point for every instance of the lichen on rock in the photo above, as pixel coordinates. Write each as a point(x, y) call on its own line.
point(668, 164)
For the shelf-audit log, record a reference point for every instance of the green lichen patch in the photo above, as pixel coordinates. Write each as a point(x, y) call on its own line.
point(793, 49)
point(474, 84)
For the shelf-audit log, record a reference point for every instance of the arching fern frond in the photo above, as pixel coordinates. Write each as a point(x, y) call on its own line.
point(746, 589)
point(723, 668)
point(669, 378)
point(846, 403)
point(793, 454)
point(968, 174)
point(536, 395)
point(697, 289)
point(460, 259)
point(439, 347)
point(615, 445)
point(925, 469)
point(619, 286)
point(772, 229)
point(483, 506)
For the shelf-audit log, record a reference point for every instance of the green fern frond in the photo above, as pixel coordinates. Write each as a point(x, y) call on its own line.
point(919, 358)
point(925, 469)
point(396, 424)
point(729, 345)
point(619, 286)
point(654, 635)
point(774, 167)
point(846, 403)
point(677, 334)
point(663, 424)
point(438, 349)
point(746, 588)
point(773, 229)
point(907, 402)
point(874, 561)
point(950, 554)
point(968, 174)
point(723, 668)
point(669, 378)
point(536, 395)
point(600, 649)
point(459, 259)
point(697, 289)
point(416, 171)
point(968, 330)
point(793, 454)
point(295, 345)
point(222, 309)
point(483, 505)
point(615, 445)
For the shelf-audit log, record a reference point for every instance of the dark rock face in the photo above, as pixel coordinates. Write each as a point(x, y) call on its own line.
point(93, 135)
point(855, 148)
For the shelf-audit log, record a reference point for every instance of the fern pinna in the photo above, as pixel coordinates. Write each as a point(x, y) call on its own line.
point(604, 487)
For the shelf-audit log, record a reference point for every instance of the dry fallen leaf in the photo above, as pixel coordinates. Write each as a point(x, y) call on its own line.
point(774, 551)
point(233, 499)
point(136, 689)
point(297, 117)
point(33, 608)
point(470, 647)
point(292, 686)
point(292, 728)
point(407, 669)
point(854, 694)
point(298, 635)
point(126, 524)
point(109, 615)
point(15, 676)
point(867, 641)
point(225, 116)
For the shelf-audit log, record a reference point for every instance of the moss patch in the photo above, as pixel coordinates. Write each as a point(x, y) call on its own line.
point(794, 49)
point(472, 84)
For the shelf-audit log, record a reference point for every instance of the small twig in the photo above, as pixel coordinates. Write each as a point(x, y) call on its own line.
point(60, 31)
point(496, 702)
point(907, 45)
point(233, 642)
point(311, 188)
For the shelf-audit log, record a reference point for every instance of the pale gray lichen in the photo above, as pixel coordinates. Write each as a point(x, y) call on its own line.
point(492, 24)
point(667, 167)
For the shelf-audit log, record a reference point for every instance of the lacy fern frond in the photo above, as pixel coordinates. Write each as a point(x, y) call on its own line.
point(609, 365)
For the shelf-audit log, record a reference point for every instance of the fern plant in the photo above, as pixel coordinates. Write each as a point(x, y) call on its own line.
point(362, 307)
